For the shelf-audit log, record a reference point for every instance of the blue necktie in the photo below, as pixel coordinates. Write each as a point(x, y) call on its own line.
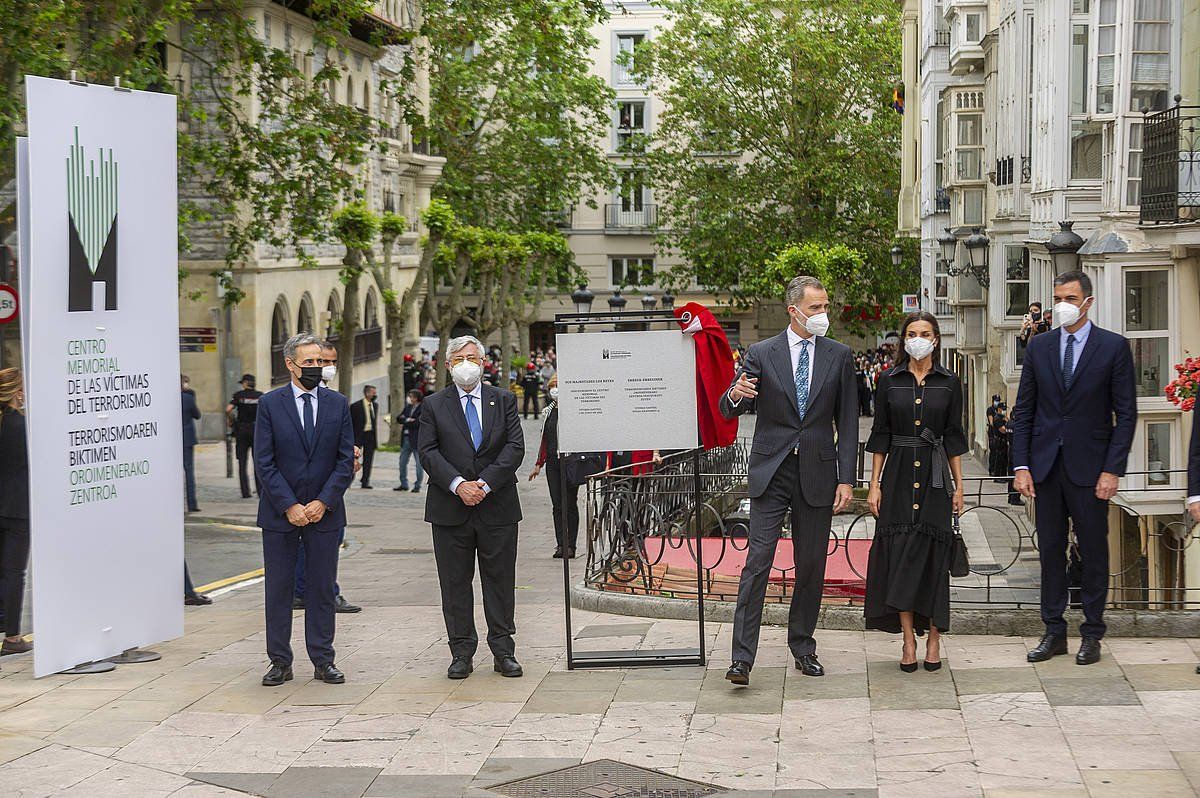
point(802, 380)
point(309, 422)
point(1069, 361)
point(473, 423)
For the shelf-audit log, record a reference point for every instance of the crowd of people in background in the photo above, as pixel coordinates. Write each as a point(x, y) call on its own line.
point(868, 366)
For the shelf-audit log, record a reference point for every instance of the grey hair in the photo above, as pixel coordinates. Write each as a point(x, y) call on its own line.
point(298, 340)
point(456, 344)
point(798, 285)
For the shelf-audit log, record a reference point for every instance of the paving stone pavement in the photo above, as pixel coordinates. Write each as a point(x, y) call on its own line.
point(197, 724)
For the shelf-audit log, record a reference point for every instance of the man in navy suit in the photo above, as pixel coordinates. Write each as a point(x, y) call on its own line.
point(1073, 425)
point(470, 444)
point(304, 455)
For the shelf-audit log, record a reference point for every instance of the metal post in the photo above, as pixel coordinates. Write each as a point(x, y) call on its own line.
point(562, 512)
point(698, 486)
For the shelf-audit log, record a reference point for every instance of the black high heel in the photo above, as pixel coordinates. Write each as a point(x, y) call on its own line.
point(909, 667)
point(930, 666)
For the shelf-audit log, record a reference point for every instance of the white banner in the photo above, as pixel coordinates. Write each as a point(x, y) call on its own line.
point(623, 391)
point(106, 470)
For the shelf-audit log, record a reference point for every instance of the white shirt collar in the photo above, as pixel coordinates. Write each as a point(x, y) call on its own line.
point(1081, 334)
point(794, 338)
point(477, 391)
point(297, 391)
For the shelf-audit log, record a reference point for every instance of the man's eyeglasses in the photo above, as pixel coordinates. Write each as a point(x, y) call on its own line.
point(478, 361)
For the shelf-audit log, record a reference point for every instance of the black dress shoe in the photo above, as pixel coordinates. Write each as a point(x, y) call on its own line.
point(739, 672)
point(417, 489)
point(197, 600)
point(460, 668)
point(1050, 646)
point(558, 552)
point(809, 666)
point(277, 675)
point(1089, 651)
point(400, 487)
point(508, 666)
point(297, 603)
point(329, 674)
point(15, 647)
point(341, 605)
point(570, 554)
point(368, 487)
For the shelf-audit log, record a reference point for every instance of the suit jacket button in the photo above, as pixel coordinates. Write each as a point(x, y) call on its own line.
point(916, 464)
point(916, 484)
point(917, 422)
point(917, 401)
point(916, 507)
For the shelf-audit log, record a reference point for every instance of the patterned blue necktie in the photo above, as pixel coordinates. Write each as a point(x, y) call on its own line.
point(802, 380)
point(1069, 361)
point(473, 423)
point(309, 421)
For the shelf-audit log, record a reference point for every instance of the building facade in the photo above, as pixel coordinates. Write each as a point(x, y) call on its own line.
point(1084, 112)
point(282, 295)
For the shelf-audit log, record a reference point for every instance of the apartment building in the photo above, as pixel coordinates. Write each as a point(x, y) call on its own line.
point(282, 295)
point(1055, 135)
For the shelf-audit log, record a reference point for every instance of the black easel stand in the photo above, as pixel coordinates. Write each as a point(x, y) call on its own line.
point(628, 658)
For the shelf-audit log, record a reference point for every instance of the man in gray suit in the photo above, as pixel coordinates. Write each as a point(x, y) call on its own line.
point(801, 385)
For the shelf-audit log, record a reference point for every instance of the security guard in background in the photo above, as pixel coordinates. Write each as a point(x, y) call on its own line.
point(242, 411)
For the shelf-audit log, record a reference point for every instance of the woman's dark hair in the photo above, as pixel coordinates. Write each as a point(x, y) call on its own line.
point(415, 394)
point(1038, 305)
point(902, 357)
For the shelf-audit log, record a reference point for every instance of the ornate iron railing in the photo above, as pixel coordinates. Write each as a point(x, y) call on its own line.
point(637, 519)
point(1170, 189)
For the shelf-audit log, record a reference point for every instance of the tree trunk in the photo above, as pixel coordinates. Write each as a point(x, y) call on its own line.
point(351, 315)
point(505, 345)
point(524, 336)
point(396, 399)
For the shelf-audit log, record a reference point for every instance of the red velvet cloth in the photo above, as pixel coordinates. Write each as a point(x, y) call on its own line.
point(714, 373)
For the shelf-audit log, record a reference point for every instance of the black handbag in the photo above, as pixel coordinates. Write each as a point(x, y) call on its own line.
point(960, 563)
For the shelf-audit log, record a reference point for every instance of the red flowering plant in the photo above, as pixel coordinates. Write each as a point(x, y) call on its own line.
point(1182, 390)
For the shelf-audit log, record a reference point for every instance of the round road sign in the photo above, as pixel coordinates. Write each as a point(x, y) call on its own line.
point(8, 303)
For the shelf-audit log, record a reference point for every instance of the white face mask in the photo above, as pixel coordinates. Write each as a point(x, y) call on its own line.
point(1067, 313)
point(329, 374)
point(466, 374)
point(817, 324)
point(554, 392)
point(918, 348)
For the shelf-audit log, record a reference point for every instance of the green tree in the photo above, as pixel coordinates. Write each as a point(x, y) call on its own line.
point(356, 227)
point(513, 108)
point(275, 175)
point(774, 131)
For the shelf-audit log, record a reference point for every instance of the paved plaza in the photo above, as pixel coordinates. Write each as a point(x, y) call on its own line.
point(197, 724)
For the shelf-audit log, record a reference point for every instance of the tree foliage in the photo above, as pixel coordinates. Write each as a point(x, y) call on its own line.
point(514, 108)
point(269, 149)
point(775, 131)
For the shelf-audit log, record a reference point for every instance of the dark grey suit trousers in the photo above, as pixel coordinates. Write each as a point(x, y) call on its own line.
point(810, 545)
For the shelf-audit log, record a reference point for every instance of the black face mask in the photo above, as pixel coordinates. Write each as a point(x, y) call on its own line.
point(310, 377)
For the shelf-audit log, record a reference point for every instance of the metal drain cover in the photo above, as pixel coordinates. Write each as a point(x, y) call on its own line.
point(605, 778)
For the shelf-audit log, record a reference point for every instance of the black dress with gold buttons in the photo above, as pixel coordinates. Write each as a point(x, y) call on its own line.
point(918, 425)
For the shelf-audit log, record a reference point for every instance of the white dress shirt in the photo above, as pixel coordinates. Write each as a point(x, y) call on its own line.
point(794, 344)
point(476, 392)
point(368, 414)
point(297, 392)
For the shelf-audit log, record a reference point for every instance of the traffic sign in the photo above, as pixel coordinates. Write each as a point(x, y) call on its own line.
point(8, 303)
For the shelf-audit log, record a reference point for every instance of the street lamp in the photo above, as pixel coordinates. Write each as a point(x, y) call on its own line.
point(978, 246)
point(583, 299)
point(668, 301)
point(649, 301)
point(1063, 247)
point(897, 254)
point(616, 302)
point(949, 244)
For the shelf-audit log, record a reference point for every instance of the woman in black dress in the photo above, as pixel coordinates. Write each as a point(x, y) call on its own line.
point(548, 456)
point(916, 484)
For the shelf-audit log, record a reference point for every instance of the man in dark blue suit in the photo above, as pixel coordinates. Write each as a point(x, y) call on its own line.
point(304, 455)
point(1073, 425)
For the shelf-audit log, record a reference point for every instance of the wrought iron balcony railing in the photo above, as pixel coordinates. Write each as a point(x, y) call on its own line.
point(630, 216)
point(1171, 165)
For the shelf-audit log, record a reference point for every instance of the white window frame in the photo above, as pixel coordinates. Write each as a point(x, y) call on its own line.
point(642, 262)
point(644, 131)
point(620, 73)
point(1028, 282)
point(1155, 400)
